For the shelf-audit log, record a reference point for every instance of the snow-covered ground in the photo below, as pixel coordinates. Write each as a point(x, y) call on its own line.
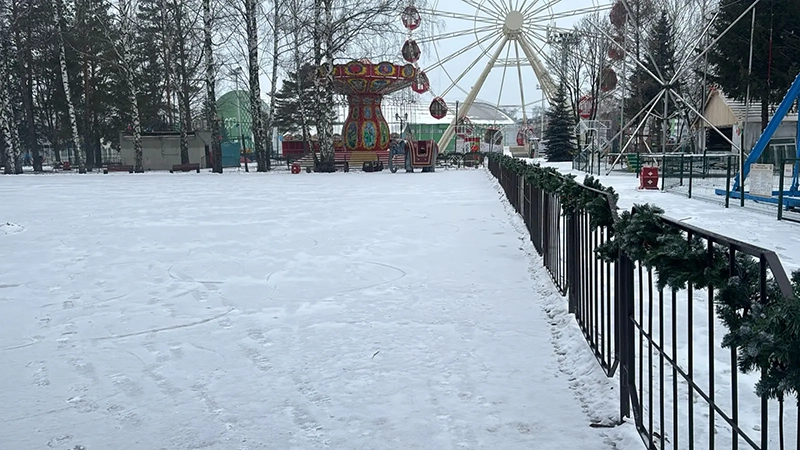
point(280, 311)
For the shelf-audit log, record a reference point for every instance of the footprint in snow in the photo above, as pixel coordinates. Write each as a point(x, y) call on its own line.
point(11, 228)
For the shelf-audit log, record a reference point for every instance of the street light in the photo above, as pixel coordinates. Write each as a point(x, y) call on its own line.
point(541, 122)
point(401, 119)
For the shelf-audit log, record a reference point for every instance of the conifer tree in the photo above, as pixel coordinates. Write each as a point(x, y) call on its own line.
point(559, 135)
point(297, 89)
point(776, 51)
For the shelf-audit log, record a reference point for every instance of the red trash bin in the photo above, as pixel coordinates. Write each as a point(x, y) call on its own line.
point(648, 178)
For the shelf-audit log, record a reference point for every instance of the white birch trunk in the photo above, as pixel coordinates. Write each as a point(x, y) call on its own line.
point(325, 131)
point(62, 60)
point(184, 138)
point(273, 81)
point(211, 95)
point(127, 69)
point(8, 122)
point(183, 83)
point(257, 125)
point(8, 127)
point(5, 108)
point(319, 83)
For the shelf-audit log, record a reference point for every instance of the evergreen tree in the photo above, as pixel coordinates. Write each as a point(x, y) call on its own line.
point(151, 76)
point(296, 89)
point(559, 135)
point(776, 51)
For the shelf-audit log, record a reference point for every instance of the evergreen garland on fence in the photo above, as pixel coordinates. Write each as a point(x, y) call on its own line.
point(767, 335)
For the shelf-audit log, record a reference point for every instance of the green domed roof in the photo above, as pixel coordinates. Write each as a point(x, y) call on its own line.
point(232, 107)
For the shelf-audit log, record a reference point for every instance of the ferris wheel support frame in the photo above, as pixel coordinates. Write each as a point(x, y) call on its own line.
point(448, 134)
point(548, 86)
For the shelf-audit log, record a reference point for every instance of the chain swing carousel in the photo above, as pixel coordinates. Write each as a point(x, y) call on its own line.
point(365, 133)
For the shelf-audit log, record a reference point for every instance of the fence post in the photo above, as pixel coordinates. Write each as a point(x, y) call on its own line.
point(625, 333)
point(545, 220)
point(573, 270)
point(728, 183)
point(780, 188)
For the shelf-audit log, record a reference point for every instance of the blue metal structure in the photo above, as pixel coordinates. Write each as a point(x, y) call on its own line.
point(763, 142)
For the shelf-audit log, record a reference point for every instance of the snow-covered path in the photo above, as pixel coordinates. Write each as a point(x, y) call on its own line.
point(347, 311)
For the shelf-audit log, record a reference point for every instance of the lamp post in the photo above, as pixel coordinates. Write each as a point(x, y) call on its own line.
point(402, 118)
point(541, 123)
point(457, 122)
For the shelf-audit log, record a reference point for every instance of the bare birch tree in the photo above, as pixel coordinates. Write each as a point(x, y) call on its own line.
point(123, 48)
point(58, 17)
point(8, 122)
point(211, 81)
point(256, 113)
point(277, 19)
point(323, 60)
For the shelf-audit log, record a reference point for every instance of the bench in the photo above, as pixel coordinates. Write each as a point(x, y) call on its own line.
point(118, 168)
point(185, 168)
point(633, 161)
point(342, 159)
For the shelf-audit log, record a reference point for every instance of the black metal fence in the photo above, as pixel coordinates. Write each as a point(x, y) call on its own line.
point(712, 177)
point(678, 383)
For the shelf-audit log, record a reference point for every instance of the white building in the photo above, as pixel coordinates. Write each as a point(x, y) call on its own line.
point(733, 119)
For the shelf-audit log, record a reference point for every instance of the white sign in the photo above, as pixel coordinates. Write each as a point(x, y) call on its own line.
point(761, 180)
point(788, 171)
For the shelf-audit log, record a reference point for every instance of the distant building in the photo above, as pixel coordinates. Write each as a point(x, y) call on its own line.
point(233, 109)
point(161, 150)
point(732, 118)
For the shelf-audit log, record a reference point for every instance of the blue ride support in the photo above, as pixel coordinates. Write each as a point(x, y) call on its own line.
point(796, 170)
point(763, 142)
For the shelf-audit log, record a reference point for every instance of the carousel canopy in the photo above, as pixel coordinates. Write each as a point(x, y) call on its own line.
point(363, 77)
point(480, 114)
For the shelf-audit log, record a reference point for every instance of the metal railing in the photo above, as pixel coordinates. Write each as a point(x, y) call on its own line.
point(712, 177)
point(567, 245)
point(678, 383)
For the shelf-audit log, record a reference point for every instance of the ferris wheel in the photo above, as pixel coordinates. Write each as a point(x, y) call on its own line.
point(493, 51)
